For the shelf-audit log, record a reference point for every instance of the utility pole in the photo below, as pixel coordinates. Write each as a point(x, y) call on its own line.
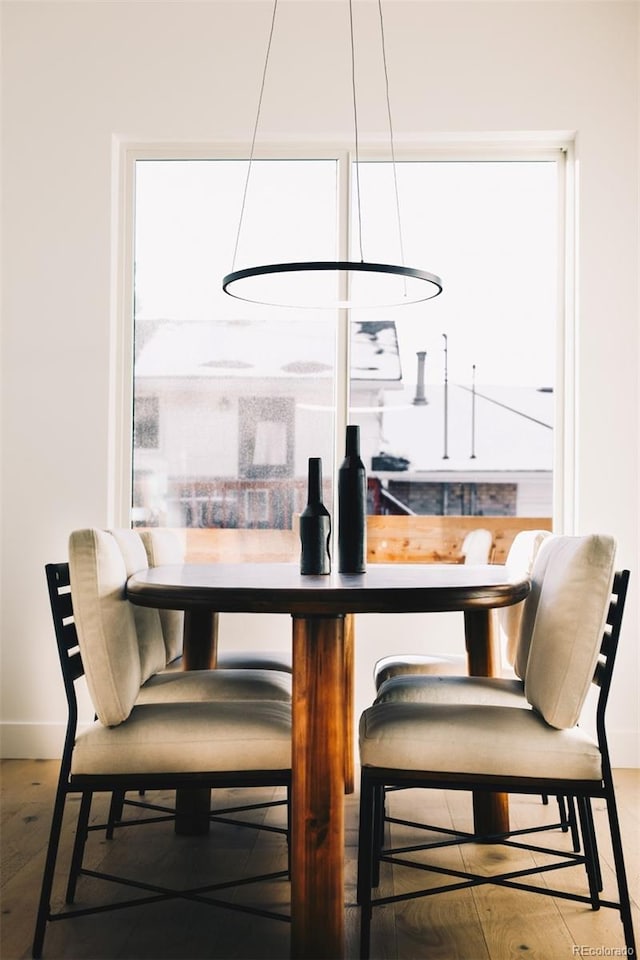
point(445, 455)
point(473, 412)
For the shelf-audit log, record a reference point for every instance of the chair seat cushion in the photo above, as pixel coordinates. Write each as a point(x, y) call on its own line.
point(189, 738)
point(410, 663)
point(246, 660)
point(176, 685)
point(474, 739)
point(255, 660)
point(423, 689)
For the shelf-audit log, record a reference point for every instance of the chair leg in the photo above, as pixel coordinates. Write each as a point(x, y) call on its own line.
point(365, 862)
point(78, 846)
point(573, 823)
point(594, 844)
point(116, 808)
point(366, 830)
point(621, 873)
point(379, 801)
point(587, 841)
point(289, 832)
point(44, 906)
point(563, 812)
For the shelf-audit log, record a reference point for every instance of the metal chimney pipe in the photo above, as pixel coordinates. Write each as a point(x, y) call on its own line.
point(420, 400)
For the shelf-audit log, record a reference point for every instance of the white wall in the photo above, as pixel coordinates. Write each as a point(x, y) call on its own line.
point(77, 75)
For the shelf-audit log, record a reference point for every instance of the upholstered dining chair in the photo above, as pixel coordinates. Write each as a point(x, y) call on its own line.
point(100, 562)
point(139, 744)
point(520, 559)
point(528, 554)
point(537, 747)
point(477, 546)
point(160, 637)
point(164, 546)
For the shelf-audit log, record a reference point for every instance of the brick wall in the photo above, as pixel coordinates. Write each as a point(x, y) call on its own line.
point(458, 499)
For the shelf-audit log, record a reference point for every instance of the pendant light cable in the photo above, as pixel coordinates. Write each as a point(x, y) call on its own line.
point(393, 151)
point(417, 285)
point(255, 132)
point(355, 124)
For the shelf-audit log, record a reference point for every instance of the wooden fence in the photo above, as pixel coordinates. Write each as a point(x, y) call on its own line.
point(390, 539)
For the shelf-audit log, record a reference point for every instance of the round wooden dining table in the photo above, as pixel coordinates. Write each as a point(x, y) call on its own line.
point(322, 609)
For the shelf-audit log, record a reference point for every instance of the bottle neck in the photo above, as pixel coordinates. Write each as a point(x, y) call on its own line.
point(315, 480)
point(353, 441)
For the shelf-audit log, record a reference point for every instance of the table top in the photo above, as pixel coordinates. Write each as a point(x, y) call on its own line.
point(281, 588)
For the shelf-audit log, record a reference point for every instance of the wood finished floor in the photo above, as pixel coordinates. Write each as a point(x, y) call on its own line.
point(487, 923)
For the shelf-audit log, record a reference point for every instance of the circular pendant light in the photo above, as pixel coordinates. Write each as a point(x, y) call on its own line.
point(332, 284)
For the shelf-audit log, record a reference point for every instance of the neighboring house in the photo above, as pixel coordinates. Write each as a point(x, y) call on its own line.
point(490, 453)
point(225, 424)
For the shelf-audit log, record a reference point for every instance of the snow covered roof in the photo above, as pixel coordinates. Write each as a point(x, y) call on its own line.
point(245, 349)
point(499, 428)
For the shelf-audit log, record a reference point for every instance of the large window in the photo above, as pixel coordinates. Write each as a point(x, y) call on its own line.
point(467, 428)
point(246, 394)
point(455, 397)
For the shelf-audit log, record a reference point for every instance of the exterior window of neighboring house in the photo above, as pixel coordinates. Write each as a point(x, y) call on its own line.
point(455, 397)
point(146, 422)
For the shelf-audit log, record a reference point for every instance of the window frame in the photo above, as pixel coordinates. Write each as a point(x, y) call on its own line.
point(125, 155)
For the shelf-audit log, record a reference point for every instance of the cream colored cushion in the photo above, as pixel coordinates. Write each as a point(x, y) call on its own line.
point(474, 739)
point(190, 738)
point(255, 660)
point(216, 685)
point(476, 546)
point(520, 560)
point(459, 689)
point(530, 609)
point(148, 625)
point(247, 660)
point(105, 624)
point(162, 546)
point(157, 635)
point(415, 663)
point(165, 547)
point(569, 625)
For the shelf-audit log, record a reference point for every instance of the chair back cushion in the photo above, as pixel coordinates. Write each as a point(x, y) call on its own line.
point(529, 610)
point(476, 546)
point(520, 560)
point(148, 624)
point(572, 605)
point(164, 546)
point(105, 624)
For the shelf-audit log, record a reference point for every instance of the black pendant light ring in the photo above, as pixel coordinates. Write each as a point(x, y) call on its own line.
point(424, 285)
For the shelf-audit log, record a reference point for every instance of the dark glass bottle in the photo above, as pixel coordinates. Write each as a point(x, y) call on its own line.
point(315, 525)
point(352, 507)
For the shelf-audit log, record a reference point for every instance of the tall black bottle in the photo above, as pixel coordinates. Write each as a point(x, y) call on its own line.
point(315, 525)
point(352, 507)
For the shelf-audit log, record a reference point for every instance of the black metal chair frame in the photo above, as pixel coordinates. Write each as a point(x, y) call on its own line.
point(118, 785)
point(375, 780)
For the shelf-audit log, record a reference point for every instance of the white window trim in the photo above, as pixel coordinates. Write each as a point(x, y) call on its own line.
point(559, 148)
